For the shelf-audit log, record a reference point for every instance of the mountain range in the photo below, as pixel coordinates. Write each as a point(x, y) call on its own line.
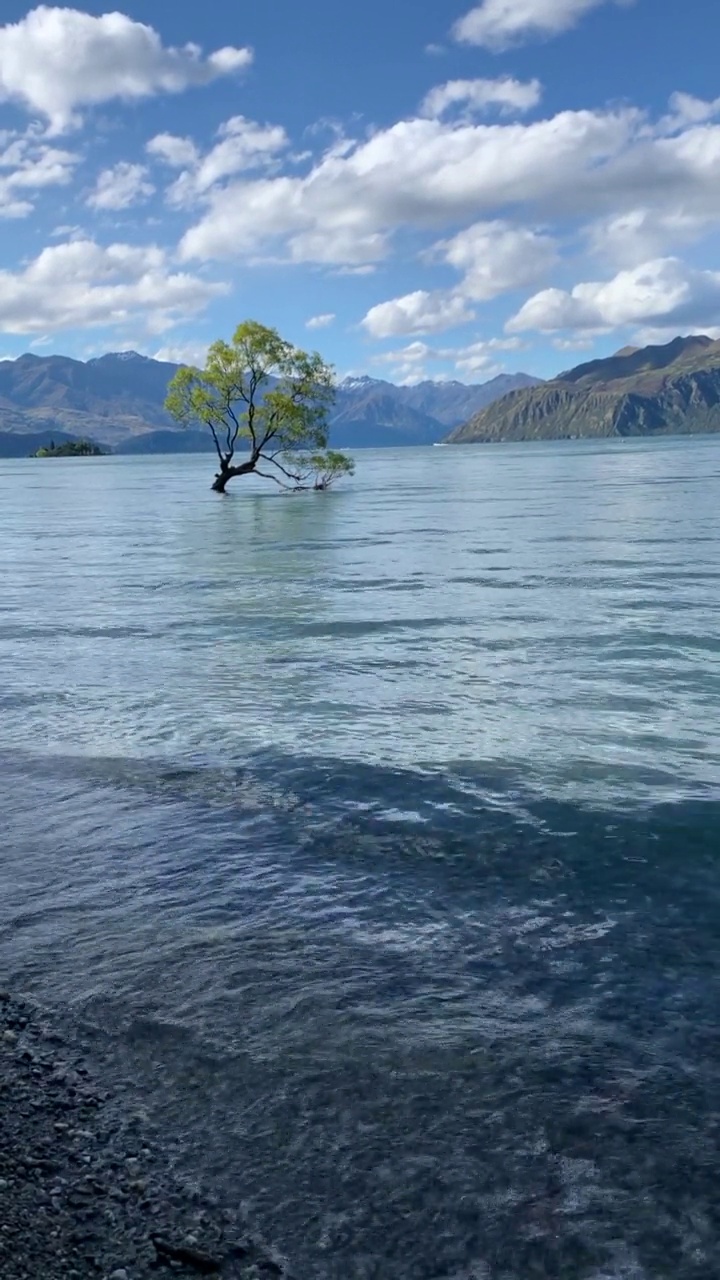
point(673, 389)
point(117, 401)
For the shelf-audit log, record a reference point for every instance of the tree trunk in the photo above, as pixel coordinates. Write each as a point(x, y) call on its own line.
point(228, 472)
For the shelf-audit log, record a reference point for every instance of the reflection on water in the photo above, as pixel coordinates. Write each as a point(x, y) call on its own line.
point(375, 838)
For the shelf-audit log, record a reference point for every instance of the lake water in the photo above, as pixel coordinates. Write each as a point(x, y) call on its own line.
point(375, 835)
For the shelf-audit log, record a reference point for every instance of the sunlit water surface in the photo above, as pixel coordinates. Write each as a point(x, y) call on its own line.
point(374, 836)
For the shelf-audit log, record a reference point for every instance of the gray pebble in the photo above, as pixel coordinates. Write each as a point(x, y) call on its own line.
point(78, 1214)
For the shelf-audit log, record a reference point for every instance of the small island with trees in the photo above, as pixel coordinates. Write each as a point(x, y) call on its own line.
point(69, 449)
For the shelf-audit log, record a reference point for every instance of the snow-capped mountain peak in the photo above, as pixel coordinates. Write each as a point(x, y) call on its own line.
point(360, 383)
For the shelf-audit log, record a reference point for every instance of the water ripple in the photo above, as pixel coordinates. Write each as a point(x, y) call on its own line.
point(373, 842)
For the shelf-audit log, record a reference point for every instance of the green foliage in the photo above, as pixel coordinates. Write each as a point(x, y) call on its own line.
point(260, 393)
point(69, 449)
point(321, 470)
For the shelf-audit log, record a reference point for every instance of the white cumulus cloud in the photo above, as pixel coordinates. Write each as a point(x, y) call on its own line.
point(492, 257)
point(685, 109)
point(479, 358)
point(55, 61)
point(495, 257)
point(592, 167)
point(193, 354)
point(417, 313)
point(321, 322)
point(29, 165)
point(499, 24)
point(508, 95)
point(121, 186)
point(409, 363)
point(243, 145)
point(420, 173)
point(664, 293)
point(637, 235)
point(81, 284)
point(179, 153)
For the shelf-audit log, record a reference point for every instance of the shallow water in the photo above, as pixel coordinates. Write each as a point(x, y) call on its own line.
point(377, 835)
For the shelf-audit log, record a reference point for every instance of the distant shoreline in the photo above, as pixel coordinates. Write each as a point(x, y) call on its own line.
point(19, 454)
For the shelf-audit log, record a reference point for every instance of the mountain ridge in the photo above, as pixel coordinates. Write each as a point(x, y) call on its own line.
point(117, 400)
point(667, 389)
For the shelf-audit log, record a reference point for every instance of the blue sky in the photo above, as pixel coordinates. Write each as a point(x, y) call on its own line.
point(427, 188)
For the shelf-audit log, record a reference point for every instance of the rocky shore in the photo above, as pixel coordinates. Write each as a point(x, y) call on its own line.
point(85, 1188)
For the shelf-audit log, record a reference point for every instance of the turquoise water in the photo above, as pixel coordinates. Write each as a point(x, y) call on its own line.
point(377, 835)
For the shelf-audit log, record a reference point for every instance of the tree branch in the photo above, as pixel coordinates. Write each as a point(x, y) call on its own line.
point(232, 442)
point(264, 475)
point(271, 429)
point(217, 442)
point(251, 419)
point(291, 475)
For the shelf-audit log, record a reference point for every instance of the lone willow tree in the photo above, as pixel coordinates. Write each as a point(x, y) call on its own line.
point(262, 395)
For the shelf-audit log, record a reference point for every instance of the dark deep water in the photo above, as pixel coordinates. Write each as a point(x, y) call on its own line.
point(375, 838)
